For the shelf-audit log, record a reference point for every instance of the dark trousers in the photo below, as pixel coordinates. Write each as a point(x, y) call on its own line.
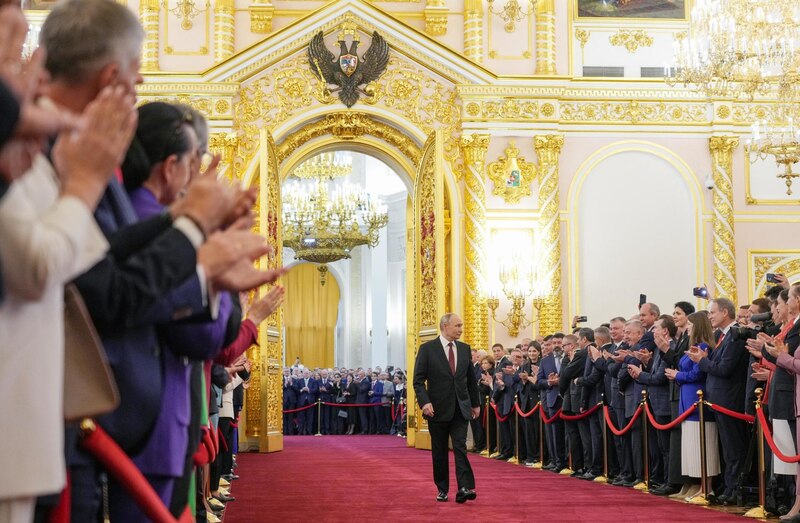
point(478, 433)
point(86, 493)
point(556, 440)
point(363, 418)
point(492, 422)
point(596, 443)
point(305, 419)
point(225, 455)
point(586, 443)
point(375, 419)
point(733, 437)
point(507, 436)
point(288, 419)
point(530, 429)
point(674, 468)
point(623, 444)
point(575, 444)
point(325, 419)
point(659, 451)
point(456, 430)
point(637, 449)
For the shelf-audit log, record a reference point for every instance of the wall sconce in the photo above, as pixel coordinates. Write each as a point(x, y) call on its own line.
point(186, 11)
point(512, 13)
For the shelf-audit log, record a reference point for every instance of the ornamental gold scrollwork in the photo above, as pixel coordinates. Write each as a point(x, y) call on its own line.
point(633, 112)
point(512, 175)
point(630, 40)
point(505, 109)
point(787, 264)
point(721, 148)
point(427, 234)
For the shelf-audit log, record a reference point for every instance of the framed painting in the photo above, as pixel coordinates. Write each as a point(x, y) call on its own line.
point(633, 9)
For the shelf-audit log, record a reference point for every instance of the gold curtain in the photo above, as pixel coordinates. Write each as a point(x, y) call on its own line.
point(310, 315)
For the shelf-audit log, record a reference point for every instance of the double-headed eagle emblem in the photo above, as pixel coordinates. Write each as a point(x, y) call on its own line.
point(348, 72)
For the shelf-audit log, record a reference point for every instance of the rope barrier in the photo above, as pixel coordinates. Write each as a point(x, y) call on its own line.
point(626, 428)
point(672, 424)
point(347, 405)
point(301, 408)
point(113, 458)
point(732, 413)
point(768, 436)
point(497, 414)
point(582, 415)
point(526, 414)
point(550, 420)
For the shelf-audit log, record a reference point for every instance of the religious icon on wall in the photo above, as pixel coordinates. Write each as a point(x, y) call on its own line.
point(675, 9)
point(512, 175)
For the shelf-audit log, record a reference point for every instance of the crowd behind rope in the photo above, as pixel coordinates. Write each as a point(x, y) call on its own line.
point(547, 402)
point(344, 401)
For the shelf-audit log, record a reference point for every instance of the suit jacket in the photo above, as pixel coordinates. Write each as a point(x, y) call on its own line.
point(628, 387)
point(726, 369)
point(671, 358)
point(504, 397)
point(45, 241)
point(377, 392)
point(571, 391)
point(552, 398)
point(362, 390)
point(782, 387)
point(327, 384)
point(435, 384)
point(593, 381)
point(657, 385)
point(527, 392)
point(306, 397)
point(792, 364)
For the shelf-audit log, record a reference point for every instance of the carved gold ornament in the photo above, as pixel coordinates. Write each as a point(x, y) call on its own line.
point(631, 40)
point(512, 175)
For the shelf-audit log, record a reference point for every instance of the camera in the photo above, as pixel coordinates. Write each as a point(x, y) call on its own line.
point(771, 278)
point(764, 316)
point(581, 319)
point(700, 292)
point(745, 333)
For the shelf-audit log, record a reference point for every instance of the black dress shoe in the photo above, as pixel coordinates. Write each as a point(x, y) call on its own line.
point(442, 496)
point(465, 494)
point(577, 473)
point(629, 483)
point(589, 476)
point(502, 457)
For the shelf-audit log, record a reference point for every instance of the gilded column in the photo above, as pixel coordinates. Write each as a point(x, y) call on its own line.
point(548, 148)
point(224, 30)
point(435, 14)
point(476, 329)
point(149, 15)
point(722, 148)
point(545, 37)
point(473, 30)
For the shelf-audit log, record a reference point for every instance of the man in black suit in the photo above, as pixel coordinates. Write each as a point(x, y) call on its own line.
point(447, 392)
point(505, 388)
point(726, 370)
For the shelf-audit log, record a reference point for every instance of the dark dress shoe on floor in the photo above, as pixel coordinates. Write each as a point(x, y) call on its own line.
point(629, 483)
point(577, 473)
point(465, 494)
point(502, 457)
point(589, 476)
point(223, 498)
point(442, 496)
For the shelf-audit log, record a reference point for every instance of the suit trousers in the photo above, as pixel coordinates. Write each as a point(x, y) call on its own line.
point(507, 436)
point(623, 444)
point(530, 429)
point(478, 433)
point(491, 420)
point(288, 419)
point(612, 453)
point(556, 440)
point(325, 419)
point(658, 444)
point(637, 449)
point(674, 475)
point(363, 418)
point(375, 419)
point(733, 438)
point(441, 432)
point(225, 455)
point(596, 437)
point(575, 444)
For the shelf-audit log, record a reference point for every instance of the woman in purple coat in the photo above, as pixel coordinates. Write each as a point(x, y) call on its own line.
point(692, 379)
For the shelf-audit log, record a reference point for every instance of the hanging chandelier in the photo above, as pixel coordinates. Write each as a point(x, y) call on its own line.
point(743, 48)
point(323, 221)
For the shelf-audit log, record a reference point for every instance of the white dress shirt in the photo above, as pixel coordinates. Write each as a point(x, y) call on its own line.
point(447, 350)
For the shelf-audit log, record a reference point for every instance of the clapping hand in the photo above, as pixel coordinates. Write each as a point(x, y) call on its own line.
point(620, 356)
point(776, 348)
point(696, 354)
point(594, 352)
point(754, 346)
point(552, 379)
point(643, 355)
point(661, 342)
point(670, 373)
point(760, 372)
point(634, 370)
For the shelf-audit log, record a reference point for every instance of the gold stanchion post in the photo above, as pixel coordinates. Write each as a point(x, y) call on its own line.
point(760, 511)
point(702, 497)
point(645, 485)
point(539, 464)
point(485, 452)
point(604, 477)
point(515, 458)
point(319, 418)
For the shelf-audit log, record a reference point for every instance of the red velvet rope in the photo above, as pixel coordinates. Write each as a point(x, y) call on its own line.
point(351, 405)
point(526, 414)
point(672, 424)
point(113, 458)
point(550, 420)
point(497, 414)
point(732, 413)
point(301, 408)
point(626, 428)
point(768, 435)
point(582, 415)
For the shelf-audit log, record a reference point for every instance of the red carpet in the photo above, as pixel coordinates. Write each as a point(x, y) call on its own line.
point(378, 478)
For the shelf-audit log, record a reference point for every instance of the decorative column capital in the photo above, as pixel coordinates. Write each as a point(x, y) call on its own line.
point(723, 144)
point(474, 147)
point(548, 144)
point(435, 13)
point(261, 17)
point(223, 5)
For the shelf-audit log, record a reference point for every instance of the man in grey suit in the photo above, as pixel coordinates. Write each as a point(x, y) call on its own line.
point(447, 392)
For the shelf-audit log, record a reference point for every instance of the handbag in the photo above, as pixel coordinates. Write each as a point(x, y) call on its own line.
point(89, 386)
point(342, 413)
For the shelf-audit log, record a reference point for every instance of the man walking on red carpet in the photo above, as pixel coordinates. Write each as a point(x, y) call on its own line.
point(447, 391)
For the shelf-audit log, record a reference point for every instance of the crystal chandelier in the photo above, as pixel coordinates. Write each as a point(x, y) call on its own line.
point(324, 221)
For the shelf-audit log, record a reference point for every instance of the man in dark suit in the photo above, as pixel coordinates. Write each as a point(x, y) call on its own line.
point(506, 379)
point(289, 402)
point(547, 381)
point(325, 389)
point(447, 392)
point(632, 394)
point(616, 401)
point(591, 380)
point(726, 370)
point(598, 371)
point(306, 389)
point(363, 386)
point(577, 430)
point(478, 430)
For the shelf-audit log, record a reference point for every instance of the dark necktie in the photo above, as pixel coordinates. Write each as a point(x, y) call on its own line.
point(452, 357)
point(718, 336)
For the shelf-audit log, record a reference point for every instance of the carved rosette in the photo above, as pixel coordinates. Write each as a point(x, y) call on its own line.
point(548, 147)
point(474, 147)
point(473, 30)
point(722, 148)
point(149, 15)
point(545, 37)
point(224, 30)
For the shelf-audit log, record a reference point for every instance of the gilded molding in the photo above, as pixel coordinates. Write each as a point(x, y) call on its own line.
point(476, 327)
point(435, 14)
point(630, 40)
point(512, 175)
point(548, 148)
point(634, 112)
point(473, 30)
point(425, 203)
point(261, 14)
point(507, 109)
point(721, 148)
point(787, 263)
point(224, 30)
point(545, 37)
point(150, 17)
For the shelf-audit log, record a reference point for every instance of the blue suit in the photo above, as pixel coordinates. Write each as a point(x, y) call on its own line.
point(658, 394)
point(375, 400)
point(326, 397)
point(306, 397)
point(554, 432)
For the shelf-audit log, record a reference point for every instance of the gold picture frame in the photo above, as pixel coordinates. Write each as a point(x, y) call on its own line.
point(512, 175)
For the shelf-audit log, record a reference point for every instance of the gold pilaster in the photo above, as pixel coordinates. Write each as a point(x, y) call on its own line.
point(473, 30)
point(261, 14)
point(476, 330)
point(545, 37)
point(548, 148)
point(149, 15)
point(224, 30)
point(435, 13)
point(722, 148)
